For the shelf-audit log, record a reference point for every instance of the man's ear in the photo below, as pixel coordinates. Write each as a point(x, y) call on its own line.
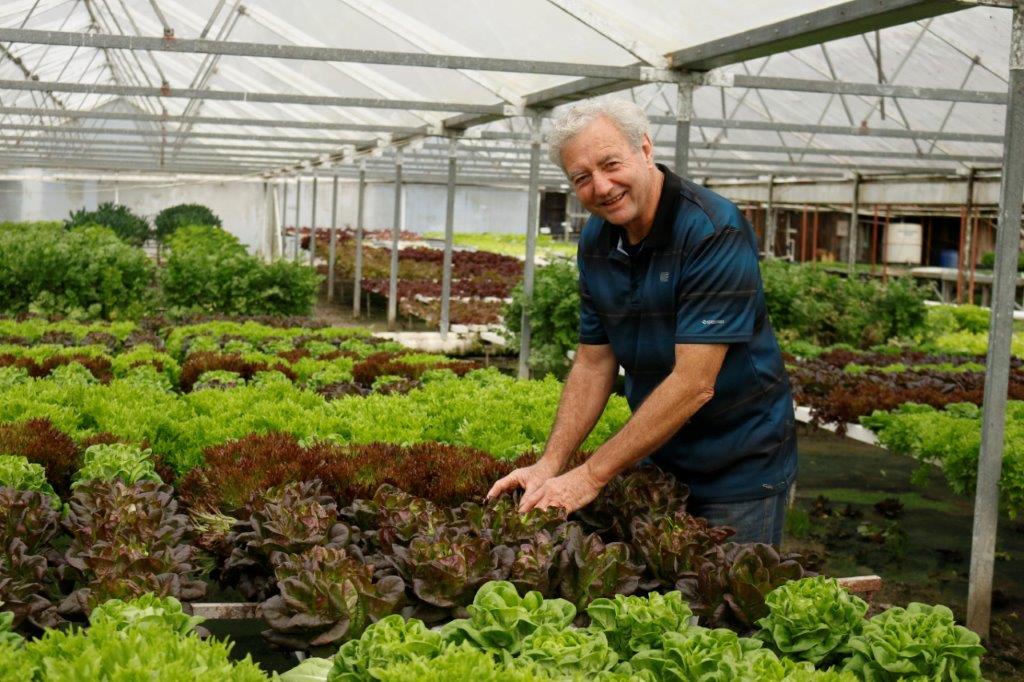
point(647, 147)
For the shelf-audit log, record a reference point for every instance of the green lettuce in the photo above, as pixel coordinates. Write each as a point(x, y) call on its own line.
point(499, 619)
point(633, 624)
point(718, 655)
point(389, 641)
point(568, 650)
point(146, 611)
point(112, 461)
point(812, 618)
point(920, 641)
point(19, 473)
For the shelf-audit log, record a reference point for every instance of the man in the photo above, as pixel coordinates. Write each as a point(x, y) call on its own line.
point(670, 290)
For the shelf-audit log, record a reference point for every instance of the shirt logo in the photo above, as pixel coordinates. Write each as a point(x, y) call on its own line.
point(663, 277)
point(709, 322)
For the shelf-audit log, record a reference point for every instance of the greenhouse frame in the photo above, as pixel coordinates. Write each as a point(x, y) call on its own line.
point(828, 122)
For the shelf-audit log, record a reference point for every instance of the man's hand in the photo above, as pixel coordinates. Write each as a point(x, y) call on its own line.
point(528, 478)
point(570, 491)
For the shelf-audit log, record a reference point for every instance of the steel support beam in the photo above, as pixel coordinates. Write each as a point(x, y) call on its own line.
point(770, 224)
point(357, 283)
point(312, 225)
point(810, 28)
point(213, 120)
point(739, 80)
point(240, 96)
point(532, 218)
point(298, 220)
point(851, 250)
point(331, 54)
point(855, 131)
point(1000, 335)
point(396, 228)
point(332, 249)
point(449, 238)
point(153, 132)
point(284, 214)
point(684, 117)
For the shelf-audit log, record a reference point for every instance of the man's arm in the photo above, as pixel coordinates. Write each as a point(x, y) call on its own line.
point(583, 400)
point(685, 390)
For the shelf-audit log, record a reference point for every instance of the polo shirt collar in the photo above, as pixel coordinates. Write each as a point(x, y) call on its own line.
point(664, 216)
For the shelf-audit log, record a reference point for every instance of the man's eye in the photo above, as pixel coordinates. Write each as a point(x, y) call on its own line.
point(581, 180)
point(612, 164)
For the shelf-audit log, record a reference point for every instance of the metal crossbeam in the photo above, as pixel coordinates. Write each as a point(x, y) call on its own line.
point(238, 96)
point(740, 80)
point(333, 54)
point(154, 132)
point(810, 28)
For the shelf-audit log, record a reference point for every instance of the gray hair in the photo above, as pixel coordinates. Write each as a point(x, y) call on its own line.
point(629, 118)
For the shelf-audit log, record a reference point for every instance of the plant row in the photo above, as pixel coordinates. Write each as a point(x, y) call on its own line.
point(134, 229)
point(842, 386)
point(89, 272)
point(951, 438)
point(447, 409)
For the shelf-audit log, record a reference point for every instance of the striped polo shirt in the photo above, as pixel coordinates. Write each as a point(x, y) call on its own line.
point(695, 279)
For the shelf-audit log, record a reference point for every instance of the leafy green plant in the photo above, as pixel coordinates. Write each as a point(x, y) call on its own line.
point(87, 272)
point(19, 473)
point(39, 441)
point(590, 569)
point(29, 522)
point(717, 655)
point(554, 317)
point(327, 597)
point(148, 648)
point(919, 641)
point(287, 519)
point(446, 568)
point(181, 215)
point(988, 260)
point(732, 580)
point(128, 227)
point(107, 462)
point(146, 611)
point(499, 619)
point(126, 540)
point(561, 650)
point(671, 545)
point(388, 642)
point(811, 619)
point(633, 624)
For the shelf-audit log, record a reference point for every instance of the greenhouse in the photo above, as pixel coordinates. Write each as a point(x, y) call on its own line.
point(550, 340)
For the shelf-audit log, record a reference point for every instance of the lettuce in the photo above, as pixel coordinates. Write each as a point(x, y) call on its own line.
point(107, 462)
point(146, 611)
point(811, 619)
point(19, 473)
point(387, 642)
point(312, 669)
point(700, 654)
point(633, 624)
point(918, 641)
point(589, 569)
point(327, 597)
point(499, 618)
point(568, 650)
point(670, 545)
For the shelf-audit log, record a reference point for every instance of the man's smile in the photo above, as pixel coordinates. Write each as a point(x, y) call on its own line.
point(614, 200)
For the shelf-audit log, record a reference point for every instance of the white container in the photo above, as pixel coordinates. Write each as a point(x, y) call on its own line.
point(903, 243)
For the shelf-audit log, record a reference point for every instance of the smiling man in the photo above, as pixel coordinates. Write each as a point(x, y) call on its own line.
point(670, 290)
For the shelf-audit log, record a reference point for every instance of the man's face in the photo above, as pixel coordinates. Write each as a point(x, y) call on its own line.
point(610, 178)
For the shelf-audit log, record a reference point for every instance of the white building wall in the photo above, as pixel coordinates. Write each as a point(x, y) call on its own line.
point(241, 205)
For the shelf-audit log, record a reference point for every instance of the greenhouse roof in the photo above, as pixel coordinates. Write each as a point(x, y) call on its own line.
point(805, 87)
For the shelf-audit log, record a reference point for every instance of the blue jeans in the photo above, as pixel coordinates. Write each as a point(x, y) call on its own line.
point(754, 520)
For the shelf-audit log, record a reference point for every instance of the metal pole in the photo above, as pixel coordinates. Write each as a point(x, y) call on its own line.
point(851, 254)
point(975, 226)
point(395, 234)
point(284, 211)
point(997, 365)
point(814, 236)
point(684, 117)
point(969, 254)
point(298, 220)
point(803, 236)
point(449, 238)
point(312, 226)
point(885, 246)
point(874, 240)
point(532, 217)
point(357, 282)
point(332, 249)
point(960, 255)
point(771, 222)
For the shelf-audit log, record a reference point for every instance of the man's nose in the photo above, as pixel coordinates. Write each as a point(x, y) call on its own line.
point(602, 185)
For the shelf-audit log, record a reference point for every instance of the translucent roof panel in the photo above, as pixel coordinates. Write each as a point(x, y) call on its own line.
point(258, 113)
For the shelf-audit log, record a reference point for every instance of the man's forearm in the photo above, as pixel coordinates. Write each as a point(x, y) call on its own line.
point(663, 413)
point(584, 397)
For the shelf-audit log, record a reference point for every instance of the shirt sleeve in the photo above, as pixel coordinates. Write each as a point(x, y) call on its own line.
point(718, 289)
point(592, 330)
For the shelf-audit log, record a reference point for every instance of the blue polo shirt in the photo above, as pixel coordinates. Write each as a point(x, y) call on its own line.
point(695, 279)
